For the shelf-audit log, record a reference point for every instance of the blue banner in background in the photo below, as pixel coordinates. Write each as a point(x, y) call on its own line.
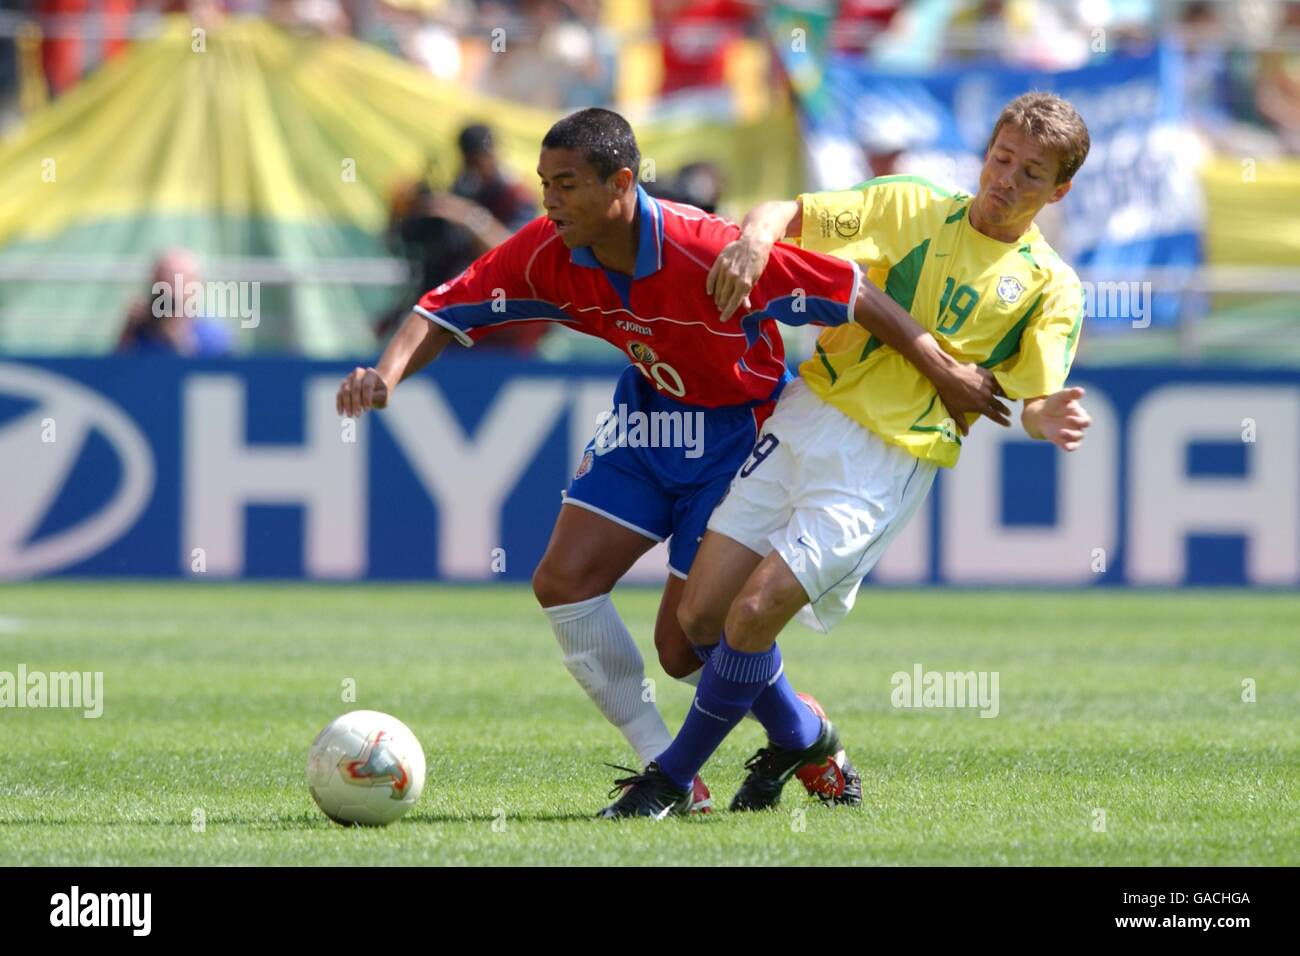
point(168, 468)
point(1135, 204)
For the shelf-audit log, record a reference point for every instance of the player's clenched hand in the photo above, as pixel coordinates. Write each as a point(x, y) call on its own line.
point(969, 388)
point(734, 273)
point(1060, 418)
point(361, 391)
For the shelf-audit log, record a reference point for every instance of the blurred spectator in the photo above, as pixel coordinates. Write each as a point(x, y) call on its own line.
point(858, 22)
point(311, 16)
point(1066, 34)
point(1277, 93)
point(544, 53)
point(885, 145)
point(897, 145)
point(1219, 85)
point(482, 181)
point(79, 34)
point(10, 77)
point(1206, 66)
point(426, 32)
point(1048, 34)
point(696, 184)
point(441, 234)
point(914, 37)
point(435, 247)
point(158, 323)
point(696, 36)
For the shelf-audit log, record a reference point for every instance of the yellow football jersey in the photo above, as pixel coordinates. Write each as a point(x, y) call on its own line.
point(1012, 307)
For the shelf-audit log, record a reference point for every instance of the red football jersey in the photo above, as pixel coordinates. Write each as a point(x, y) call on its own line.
point(660, 317)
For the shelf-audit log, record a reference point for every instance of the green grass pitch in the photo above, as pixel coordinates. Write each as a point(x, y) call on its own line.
point(1125, 703)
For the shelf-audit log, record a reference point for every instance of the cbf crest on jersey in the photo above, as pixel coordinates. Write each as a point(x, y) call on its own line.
point(1010, 289)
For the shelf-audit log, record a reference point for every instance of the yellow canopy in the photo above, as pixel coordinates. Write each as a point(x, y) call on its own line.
point(249, 140)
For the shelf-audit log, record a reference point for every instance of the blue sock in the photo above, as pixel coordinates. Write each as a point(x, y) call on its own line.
point(789, 722)
point(730, 682)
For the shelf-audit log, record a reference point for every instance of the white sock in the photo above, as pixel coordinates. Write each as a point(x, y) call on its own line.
point(601, 655)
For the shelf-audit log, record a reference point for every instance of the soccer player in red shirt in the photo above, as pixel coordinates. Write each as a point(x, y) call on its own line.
point(610, 261)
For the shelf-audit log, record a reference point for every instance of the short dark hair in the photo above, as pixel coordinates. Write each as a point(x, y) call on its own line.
point(1054, 123)
point(475, 140)
point(605, 138)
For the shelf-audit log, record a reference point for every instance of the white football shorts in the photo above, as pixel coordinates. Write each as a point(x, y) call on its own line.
point(825, 493)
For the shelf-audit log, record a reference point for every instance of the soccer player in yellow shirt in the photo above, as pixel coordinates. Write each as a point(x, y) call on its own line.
point(853, 446)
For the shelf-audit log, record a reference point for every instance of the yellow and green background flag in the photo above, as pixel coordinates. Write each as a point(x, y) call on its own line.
point(250, 141)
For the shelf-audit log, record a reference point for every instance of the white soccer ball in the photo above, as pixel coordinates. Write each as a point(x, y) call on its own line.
point(365, 768)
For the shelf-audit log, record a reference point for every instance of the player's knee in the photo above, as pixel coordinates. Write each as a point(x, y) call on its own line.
point(555, 583)
point(676, 656)
point(701, 623)
point(747, 619)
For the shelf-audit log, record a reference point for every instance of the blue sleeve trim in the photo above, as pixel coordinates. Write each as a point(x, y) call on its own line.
point(811, 310)
point(476, 315)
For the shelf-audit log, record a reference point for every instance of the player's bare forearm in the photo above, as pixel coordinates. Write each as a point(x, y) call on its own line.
point(962, 387)
point(1030, 418)
point(417, 343)
point(740, 263)
point(885, 319)
point(1059, 418)
point(770, 222)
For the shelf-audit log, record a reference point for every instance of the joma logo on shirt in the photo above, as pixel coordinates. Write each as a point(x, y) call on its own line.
point(627, 326)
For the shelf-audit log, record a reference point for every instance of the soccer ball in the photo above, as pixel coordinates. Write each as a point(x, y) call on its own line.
point(365, 768)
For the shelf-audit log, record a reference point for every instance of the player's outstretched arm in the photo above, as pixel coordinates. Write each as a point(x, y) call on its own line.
point(1058, 418)
point(962, 387)
point(743, 260)
point(417, 343)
